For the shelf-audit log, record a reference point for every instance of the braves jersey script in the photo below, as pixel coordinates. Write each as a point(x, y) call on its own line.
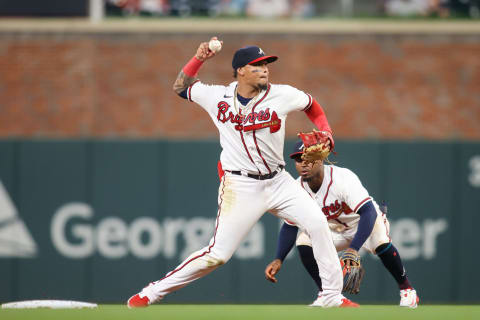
point(251, 136)
point(340, 196)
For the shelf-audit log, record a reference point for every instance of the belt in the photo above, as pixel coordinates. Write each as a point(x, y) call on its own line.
point(259, 176)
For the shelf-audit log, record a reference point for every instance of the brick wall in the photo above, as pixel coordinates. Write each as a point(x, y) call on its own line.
point(119, 85)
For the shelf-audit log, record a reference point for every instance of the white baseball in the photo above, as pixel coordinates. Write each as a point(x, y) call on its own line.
point(215, 45)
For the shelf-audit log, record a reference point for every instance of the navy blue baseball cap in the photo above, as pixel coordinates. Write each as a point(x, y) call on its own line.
point(249, 55)
point(297, 149)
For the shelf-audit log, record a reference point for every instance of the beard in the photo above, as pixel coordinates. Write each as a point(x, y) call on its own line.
point(307, 179)
point(262, 86)
point(311, 176)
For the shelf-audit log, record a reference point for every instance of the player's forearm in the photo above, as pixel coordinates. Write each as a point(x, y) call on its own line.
point(368, 216)
point(182, 82)
point(188, 75)
point(316, 114)
point(286, 240)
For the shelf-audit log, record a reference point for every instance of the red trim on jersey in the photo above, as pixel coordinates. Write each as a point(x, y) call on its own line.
point(290, 222)
point(248, 153)
point(301, 182)
point(189, 91)
point(246, 149)
point(209, 248)
point(360, 204)
point(220, 170)
point(329, 185)
point(309, 103)
point(255, 137)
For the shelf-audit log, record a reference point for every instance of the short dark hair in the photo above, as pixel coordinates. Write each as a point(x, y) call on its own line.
point(235, 73)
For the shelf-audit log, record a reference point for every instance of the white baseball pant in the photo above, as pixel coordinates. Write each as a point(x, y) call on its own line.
point(242, 201)
point(343, 238)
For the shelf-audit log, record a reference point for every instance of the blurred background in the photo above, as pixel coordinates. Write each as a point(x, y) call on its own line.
point(108, 179)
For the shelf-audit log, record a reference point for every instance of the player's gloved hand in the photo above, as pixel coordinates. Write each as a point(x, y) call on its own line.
point(203, 52)
point(272, 269)
point(317, 145)
point(353, 271)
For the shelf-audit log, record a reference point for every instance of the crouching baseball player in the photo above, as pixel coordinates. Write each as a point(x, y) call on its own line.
point(355, 220)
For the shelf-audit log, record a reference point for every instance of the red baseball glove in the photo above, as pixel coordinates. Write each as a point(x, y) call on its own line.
point(317, 145)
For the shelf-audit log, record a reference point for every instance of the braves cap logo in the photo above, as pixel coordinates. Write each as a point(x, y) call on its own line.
point(260, 51)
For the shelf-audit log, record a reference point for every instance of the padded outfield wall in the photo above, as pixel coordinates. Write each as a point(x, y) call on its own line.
point(98, 220)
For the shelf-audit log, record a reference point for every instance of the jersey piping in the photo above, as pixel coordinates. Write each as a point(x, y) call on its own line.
point(209, 247)
point(329, 185)
point(361, 203)
point(255, 137)
point(189, 92)
point(310, 101)
point(246, 149)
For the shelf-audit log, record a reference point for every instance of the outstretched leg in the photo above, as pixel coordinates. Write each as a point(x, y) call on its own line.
point(240, 206)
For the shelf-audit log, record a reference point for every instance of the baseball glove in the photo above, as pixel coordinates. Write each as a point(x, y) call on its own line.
point(353, 272)
point(317, 145)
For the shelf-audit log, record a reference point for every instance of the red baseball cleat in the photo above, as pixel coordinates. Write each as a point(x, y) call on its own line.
point(348, 304)
point(137, 302)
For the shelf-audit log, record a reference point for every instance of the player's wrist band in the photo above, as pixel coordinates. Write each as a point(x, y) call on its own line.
point(192, 67)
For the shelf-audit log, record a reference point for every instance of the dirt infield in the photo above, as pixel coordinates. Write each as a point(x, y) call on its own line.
point(207, 25)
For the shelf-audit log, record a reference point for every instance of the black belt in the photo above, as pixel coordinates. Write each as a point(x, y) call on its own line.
point(260, 176)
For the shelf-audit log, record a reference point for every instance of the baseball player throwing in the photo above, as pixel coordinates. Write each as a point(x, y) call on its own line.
point(354, 218)
point(250, 115)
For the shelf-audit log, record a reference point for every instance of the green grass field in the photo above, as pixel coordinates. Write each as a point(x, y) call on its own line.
point(250, 312)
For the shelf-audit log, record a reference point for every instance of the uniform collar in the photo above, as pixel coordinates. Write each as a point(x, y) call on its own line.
point(230, 90)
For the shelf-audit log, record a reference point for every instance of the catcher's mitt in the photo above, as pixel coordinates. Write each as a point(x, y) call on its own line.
point(353, 272)
point(317, 145)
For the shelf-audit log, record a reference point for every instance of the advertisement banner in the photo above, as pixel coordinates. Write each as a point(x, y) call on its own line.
point(98, 220)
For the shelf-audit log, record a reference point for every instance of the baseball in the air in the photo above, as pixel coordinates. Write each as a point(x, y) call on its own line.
point(215, 45)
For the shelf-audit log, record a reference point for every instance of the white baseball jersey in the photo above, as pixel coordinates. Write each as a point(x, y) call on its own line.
point(251, 137)
point(340, 196)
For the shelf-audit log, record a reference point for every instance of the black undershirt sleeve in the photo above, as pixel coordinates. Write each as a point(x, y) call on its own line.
point(286, 240)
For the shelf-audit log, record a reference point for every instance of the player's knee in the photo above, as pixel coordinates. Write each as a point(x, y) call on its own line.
point(218, 258)
point(215, 262)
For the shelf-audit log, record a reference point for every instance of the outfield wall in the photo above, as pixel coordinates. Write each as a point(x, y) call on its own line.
point(409, 80)
point(102, 218)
